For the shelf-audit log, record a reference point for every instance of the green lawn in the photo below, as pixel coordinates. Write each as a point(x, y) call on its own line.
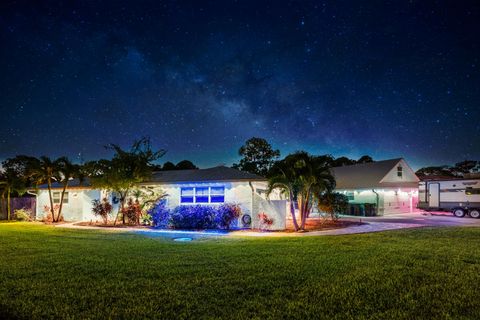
point(48, 272)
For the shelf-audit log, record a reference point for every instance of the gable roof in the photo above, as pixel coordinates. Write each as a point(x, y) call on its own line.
point(220, 173)
point(368, 175)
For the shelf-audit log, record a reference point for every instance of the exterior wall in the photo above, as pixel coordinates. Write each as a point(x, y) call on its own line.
point(42, 200)
point(73, 210)
point(79, 207)
point(390, 200)
point(235, 192)
point(87, 196)
point(408, 175)
point(274, 209)
point(399, 200)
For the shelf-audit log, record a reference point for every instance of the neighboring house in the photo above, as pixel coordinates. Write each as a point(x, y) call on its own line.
point(378, 188)
point(213, 186)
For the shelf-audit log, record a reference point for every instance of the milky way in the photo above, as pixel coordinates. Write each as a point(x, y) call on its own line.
point(387, 79)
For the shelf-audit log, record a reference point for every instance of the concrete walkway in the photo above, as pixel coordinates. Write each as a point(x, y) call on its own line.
point(363, 228)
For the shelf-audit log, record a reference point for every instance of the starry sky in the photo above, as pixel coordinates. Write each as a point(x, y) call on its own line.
point(384, 78)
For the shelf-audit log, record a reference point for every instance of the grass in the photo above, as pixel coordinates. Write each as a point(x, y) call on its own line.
point(48, 272)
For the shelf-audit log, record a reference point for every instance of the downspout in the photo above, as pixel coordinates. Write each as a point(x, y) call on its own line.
point(376, 204)
point(33, 192)
point(253, 199)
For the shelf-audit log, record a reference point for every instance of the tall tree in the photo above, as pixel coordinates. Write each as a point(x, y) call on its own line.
point(467, 166)
point(365, 159)
point(185, 165)
point(169, 166)
point(14, 179)
point(258, 156)
point(303, 178)
point(45, 171)
point(435, 171)
point(126, 169)
point(67, 171)
point(342, 161)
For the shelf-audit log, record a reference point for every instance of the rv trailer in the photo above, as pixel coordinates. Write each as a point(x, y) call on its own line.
point(461, 196)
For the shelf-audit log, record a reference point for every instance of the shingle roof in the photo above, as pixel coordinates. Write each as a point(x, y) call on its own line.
point(367, 175)
point(74, 183)
point(220, 173)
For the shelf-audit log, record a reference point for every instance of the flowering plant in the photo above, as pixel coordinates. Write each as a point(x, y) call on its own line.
point(265, 221)
point(102, 208)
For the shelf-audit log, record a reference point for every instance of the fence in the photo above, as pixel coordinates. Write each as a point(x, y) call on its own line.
point(28, 203)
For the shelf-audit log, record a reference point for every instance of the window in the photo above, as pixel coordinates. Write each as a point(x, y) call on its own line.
point(399, 171)
point(217, 194)
point(186, 195)
point(471, 191)
point(56, 196)
point(350, 196)
point(202, 195)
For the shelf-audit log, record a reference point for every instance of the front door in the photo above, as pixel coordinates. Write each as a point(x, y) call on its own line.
point(433, 195)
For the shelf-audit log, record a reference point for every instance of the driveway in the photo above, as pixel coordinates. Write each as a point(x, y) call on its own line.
point(420, 218)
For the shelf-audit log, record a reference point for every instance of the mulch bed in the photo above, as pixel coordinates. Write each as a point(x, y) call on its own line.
point(320, 224)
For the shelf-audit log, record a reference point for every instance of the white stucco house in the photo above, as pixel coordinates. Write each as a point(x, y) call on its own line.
point(212, 186)
point(378, 188)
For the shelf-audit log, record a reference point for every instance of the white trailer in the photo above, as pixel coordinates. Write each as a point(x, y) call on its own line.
point(461, 196)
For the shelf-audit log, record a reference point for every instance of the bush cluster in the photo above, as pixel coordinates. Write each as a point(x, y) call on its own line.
point(23, 214)
point(195, 216)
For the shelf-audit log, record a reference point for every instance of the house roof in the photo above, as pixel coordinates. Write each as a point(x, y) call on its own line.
point(368, 175)
point(220, 173)
point(72, 184)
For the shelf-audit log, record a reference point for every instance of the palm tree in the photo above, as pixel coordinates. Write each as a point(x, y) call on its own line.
point(45, 170)
point(67, 171)
point(303, 178)
point(126, 169)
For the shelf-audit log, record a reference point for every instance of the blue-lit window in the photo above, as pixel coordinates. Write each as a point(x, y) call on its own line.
point(186, 195)
point(217, 194)
point(201, 194)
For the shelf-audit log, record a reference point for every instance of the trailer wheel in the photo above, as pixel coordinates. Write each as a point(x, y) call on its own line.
point(475, 213)
point(459, 213)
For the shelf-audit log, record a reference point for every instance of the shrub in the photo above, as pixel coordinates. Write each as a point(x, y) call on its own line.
point(102, 208)
point(132, 211)
point(333, 203)
point(226, 214)
point(160, 214)
point(23, 214)
point(193, 217)
point(265, 221)
point(47, 217)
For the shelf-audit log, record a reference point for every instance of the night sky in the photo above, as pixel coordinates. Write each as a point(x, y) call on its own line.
point(388, 78)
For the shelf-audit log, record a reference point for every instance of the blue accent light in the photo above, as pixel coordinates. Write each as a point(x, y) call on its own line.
point(217, 199)
point(183, 239)
point(202, 194)
point(186, 195)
